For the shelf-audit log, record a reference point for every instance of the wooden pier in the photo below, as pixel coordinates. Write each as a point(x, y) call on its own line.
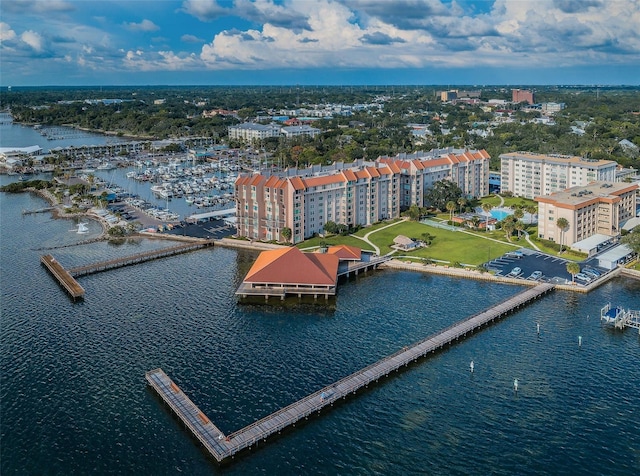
point(361, 266)
point(66, 277)
point(62, 275)
point(137, 258)
point(222, 447)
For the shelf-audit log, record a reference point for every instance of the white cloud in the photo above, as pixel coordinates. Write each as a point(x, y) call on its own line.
point(191, 39)
point(144, 25)
point(33, 39)
point(6, 33)
point(205, 10)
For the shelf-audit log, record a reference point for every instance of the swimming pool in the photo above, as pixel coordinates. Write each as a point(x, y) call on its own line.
point(500, 214)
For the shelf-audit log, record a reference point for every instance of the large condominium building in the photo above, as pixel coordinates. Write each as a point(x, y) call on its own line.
point(597, 208)
point(360, 193)
point(250, 131)
point(529, 175)
point(469, 170)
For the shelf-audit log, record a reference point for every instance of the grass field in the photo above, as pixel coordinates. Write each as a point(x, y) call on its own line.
point(335, 240)
point(494, 200)
point(452, 246)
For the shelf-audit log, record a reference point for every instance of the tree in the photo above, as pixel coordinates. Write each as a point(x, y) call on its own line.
point(442, 192)
point(531, 210)
point(462, 202)
point(508, 227)
point(486, 207)
point(427, 238)
point(632, 239)
point(331, 227)
point(286, 233)
point(573, 268)
point(518, 213)
point(519, 227)
point(451, 207)
point(563, 224)
point(414, 212)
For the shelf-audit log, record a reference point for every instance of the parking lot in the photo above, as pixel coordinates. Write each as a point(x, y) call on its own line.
point(553, 268)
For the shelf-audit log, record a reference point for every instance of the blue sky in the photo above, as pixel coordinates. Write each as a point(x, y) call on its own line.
point(259, 42)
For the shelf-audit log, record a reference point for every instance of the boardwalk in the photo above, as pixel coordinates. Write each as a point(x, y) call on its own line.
point(222, 447)
point(62, 275)
point(137, 258)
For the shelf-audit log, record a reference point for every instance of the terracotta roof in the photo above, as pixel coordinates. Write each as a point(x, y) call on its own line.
point(345, 252)
point(324, 180)
point(349, 175)
point(272, 181)
point(291, 266)
point(297, 183)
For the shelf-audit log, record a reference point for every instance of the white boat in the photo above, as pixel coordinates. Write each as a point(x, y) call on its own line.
point(106, 166)
point(82, 228)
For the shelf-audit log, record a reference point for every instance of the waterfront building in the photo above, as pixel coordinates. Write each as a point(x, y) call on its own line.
point(468, 169)
point(529, 175)
point(250, 131)
point(598, 208)
point(356, 194)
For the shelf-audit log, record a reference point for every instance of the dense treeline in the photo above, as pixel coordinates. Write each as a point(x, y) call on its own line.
point(607, 115)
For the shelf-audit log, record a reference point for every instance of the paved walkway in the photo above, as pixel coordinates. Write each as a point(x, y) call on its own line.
point(365, 238)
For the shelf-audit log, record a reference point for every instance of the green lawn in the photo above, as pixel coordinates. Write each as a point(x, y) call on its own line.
point(449, 246)
point(335, 240)
point(376, 226)
point(494, 200)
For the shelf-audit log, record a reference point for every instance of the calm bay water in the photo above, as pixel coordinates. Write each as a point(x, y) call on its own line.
point(73, 398)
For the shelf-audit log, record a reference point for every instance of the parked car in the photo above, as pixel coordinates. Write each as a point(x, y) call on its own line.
point(589, 271)
point(535, 275)
point(583, 277)
point(514, 254)
point(515, 272)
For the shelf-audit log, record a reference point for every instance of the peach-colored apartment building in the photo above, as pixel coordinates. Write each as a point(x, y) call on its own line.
point(599, 207)
point(361, 193)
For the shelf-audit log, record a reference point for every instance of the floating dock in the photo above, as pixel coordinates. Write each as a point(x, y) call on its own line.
point(222, 447)
point(65, 279)
point(620, 318)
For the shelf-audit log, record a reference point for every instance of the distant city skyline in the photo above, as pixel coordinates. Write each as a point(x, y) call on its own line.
point(332, 42)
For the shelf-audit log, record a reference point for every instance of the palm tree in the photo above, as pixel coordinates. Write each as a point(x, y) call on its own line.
point(508, 228)
point(531, 210)
point(462, 202)
point(563, 224)
point(450, 206)
point(573, 268)
point(519, 227)
point(518, 213)
point(486, 207)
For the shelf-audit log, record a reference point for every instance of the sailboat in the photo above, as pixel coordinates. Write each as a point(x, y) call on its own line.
point(82, 228)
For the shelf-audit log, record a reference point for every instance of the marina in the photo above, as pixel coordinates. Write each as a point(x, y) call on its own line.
point(222, 447)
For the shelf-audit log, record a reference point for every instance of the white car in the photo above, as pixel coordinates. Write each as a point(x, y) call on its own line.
point(515, 272)
point(535, 275)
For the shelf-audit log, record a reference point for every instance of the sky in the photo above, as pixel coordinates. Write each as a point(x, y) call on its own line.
point(319, 42)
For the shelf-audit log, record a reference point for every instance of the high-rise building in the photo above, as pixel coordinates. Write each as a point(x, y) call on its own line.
point(529, 175)
point(597, 208)
point(360, 193)
point(522, 95)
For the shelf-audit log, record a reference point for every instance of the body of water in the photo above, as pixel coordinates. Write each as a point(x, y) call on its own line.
point(17, 135)
point(73, 398)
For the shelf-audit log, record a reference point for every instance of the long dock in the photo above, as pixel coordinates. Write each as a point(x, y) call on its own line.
point(137, 258)
point(65, 279)
point(222, 447)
